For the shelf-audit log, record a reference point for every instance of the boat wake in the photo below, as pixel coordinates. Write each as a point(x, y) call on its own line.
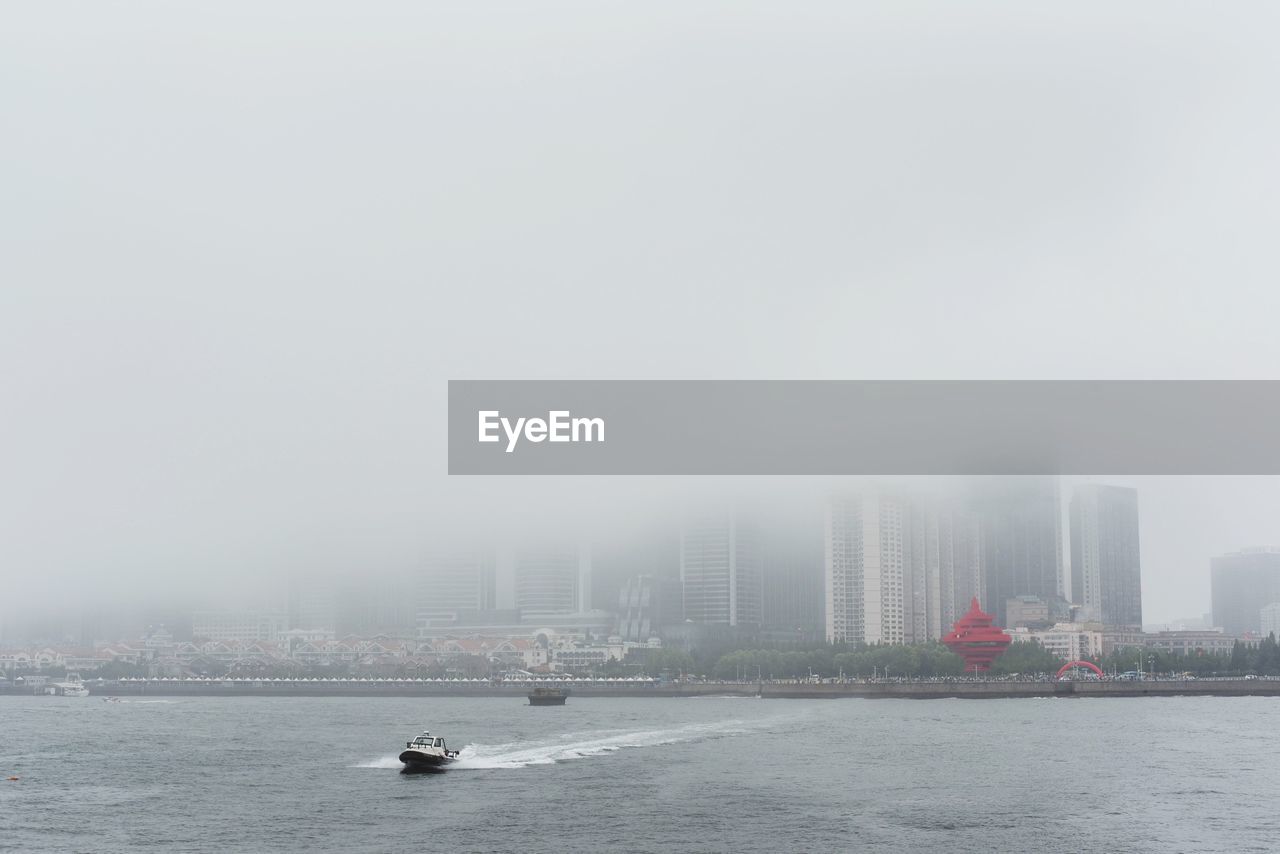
point(391, 760)
point(524, 754)
point(581, 745)
point(144, 702)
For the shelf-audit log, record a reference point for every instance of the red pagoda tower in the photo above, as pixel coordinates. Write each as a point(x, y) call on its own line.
point(976, 640)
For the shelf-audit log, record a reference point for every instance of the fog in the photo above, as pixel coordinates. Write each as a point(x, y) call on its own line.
point(243, 246)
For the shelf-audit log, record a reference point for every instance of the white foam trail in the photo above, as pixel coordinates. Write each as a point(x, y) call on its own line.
point(147, 702)
point(391, 760)
point(479, 756)
point(579, 745)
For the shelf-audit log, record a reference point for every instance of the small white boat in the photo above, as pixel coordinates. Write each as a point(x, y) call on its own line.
point(70, 687)
point(426, 753)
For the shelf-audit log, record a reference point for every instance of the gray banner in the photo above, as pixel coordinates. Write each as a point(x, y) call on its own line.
point(854, 427)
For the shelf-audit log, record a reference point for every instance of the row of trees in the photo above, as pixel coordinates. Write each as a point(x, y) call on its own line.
point(931, 660)
point(935, 660)
point(827, 660)
point(925, 660)
point(1256, 659)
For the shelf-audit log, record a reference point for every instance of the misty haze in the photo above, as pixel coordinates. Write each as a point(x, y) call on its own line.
point(244, 248)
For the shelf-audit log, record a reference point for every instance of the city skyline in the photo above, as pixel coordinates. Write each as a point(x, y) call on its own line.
point(316, 320)
point(937, 555)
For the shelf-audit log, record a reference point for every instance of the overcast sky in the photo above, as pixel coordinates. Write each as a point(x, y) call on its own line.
point(243, 245)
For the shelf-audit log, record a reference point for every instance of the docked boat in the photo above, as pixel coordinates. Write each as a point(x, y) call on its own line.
point(70, 687)
point(427, 752)
point(548, 696)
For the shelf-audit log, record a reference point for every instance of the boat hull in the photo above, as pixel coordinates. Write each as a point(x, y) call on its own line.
point(418, 762)
point(552, 700)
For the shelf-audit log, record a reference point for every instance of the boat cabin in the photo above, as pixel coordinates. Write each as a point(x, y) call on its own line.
point(427, 740)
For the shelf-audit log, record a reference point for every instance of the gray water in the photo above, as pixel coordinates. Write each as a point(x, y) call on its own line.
point(644, 774)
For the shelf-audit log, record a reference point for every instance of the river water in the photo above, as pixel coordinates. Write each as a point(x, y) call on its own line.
point(644, 774)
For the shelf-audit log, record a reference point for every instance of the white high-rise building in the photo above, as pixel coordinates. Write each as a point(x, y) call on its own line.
point(898, 569)
point(720, 572)
point(866, 541)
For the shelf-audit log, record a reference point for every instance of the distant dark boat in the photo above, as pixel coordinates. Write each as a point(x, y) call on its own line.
point(548, 696)
point(426, 753)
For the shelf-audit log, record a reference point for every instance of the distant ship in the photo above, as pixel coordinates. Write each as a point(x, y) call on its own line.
point(426, 753)
point(70, 687)
point(548, 696)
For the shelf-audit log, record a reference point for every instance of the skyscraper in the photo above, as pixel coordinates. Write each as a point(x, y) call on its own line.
point(921, 574)
point(1020, 521)
point(645, 603)
point(720, 572)
point(1242, 583)
point(377, 605)
point(943, 568)
point(651, 550)
point(899, 568)
point(453, 582)
point(313, 602)
point(552, 581)
point(1105, 567)
point(865, 572)
point(791, 576)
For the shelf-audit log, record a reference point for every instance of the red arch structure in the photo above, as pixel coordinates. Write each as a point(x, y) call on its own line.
point(1071, 665)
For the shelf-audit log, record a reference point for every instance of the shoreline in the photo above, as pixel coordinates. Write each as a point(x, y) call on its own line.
point(963, 689)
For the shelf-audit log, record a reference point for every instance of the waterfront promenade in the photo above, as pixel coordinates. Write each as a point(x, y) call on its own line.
point(873, 689)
